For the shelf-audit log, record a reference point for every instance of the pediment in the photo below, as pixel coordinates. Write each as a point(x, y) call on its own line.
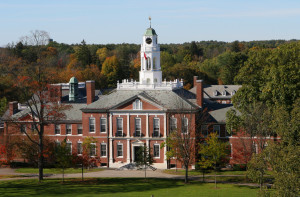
point(146, 104)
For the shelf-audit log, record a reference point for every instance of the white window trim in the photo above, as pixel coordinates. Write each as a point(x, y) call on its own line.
point(69, 142)
point(90, 125)
point(121, 124)
point(158, 150)
point(81, 129)
point(171, 120)
point(137, 104)
point(158, 126)
point(105, 124)
point(140, 125)
point(120, 144)
point(105, 150)
point(79, 142)
point(224, 93)
point(67, 129)
point(187, 125)
point(215, 130)
point(59, 129)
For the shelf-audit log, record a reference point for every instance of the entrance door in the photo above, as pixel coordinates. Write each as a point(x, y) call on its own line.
point(136, 150)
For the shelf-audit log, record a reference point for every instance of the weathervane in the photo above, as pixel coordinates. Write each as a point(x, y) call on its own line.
point(150, 20)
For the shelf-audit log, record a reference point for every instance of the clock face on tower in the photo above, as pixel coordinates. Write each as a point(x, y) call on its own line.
point(148, 40)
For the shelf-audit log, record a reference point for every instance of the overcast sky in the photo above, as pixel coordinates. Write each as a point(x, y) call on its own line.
point(125, 21)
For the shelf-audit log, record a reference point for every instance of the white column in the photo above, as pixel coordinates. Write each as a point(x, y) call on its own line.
point(147, 143)
point(110, 150)
point(110, 125)
point(165, 125)
point(147, 125)
point(165, 157)
point(128, 150)
point(128, 126)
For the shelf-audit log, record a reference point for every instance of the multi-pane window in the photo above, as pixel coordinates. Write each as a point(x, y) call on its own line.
point(137, 127)
point(69, 146)
point(23, 128)
point(173, 124)
point(79, 148)
point(156, 150)
point(103, 150)
point(156, 127)
point(57, 129)
point(79, 129)
point(93, 149)
point(185, 125)
point(137, 104)
point(68, 129)
point(120, 150)
point(119, 127)
point(92, 124)
point(103, 125)
point(204, 130)
point(217, 129)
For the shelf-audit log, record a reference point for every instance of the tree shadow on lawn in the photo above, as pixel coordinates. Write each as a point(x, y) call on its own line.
point(90, 186)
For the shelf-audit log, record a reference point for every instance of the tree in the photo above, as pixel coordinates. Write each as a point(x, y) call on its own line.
point(204, 164)
point(3, 105)
point(63, 156)
point(257, 168)
point(83, 54)
point(144, 158)
point(214, 150)
point(110, 69)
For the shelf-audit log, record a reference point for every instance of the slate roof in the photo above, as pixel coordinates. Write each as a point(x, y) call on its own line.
point(209, 90)
point(217, 112)
point(166, 99)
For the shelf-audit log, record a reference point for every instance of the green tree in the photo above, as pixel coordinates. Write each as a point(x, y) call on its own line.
point(214, 150)
point(3, 105)
point(144, 158)
point(257, 168)
point(110, 69)
point(83, 54)
point(204, 164)
point(63, 156)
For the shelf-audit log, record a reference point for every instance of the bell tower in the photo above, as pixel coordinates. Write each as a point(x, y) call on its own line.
point(150, 58)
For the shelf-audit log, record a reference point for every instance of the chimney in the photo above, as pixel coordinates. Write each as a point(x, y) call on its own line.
point(199, 92)
point(195, 80)
point(13, 107)
point(90, 91)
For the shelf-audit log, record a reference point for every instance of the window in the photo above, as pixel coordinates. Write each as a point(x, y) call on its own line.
point(23, 128)
point(68, 129)
point(137, 104)
point(79, 148)
point(233, 92)
point(204, 130)
point(216, 93)
point(120, 150)
point(156, 127)
point(173, 124)
point(103, 125)
point(103, 150)
point(184, 125)
point(154, 63)
point(156, 150)
point(79, 129)
point(69, 146)
point(224, 93)
point(119, 127)
point(138, 127)
point(57, 129)
point(92, 124)
point(93, 149)
point(217, 129)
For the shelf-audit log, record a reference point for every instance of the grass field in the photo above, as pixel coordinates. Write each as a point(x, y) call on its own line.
point(56, 170)
point(199, 173)
point(133, 187)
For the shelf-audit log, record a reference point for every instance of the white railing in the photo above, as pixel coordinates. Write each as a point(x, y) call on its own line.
point(134, 85)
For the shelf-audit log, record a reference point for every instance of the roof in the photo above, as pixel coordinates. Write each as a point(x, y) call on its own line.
point(216, 91)
point(73, 80)
point(166, 99)
point(217, 112)
point(150, 32)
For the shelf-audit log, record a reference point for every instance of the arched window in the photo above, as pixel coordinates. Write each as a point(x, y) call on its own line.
point(137, 104)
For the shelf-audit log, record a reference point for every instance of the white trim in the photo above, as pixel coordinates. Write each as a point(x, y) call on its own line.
point(120, 144)
point(158, 150)
point(122, 123)
point(67, 129)
point(70, 142)
point(105, 150)
point(59, 129)
point(135, 121)
point(154, 127)
point(90, 118)
point(103, 118)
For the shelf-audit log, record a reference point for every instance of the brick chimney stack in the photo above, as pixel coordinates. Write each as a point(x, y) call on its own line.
point(199, 90)
point(90, 91)
point(13, 107)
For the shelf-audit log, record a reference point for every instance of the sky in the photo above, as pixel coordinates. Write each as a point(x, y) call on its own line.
point(125, 21)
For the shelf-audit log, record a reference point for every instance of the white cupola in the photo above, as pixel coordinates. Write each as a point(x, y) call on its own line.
point(150, 73)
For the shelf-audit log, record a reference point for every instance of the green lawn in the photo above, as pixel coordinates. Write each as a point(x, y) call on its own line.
point(199, 173)
point(56, 170)
point(130, 187)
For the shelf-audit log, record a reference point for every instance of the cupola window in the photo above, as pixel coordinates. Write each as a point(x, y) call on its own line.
point(215, 93)
point(224, 93)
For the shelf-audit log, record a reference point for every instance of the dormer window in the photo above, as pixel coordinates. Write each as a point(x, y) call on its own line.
point(215, 93)
point(224, 93)
point(233, 92)
point(137, 104)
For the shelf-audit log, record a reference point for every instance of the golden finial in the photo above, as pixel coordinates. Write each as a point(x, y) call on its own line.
point(150, 20)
